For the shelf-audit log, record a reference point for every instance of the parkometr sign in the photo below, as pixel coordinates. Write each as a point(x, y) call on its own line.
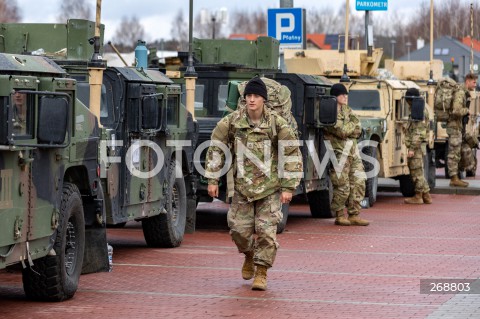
point(371, 5)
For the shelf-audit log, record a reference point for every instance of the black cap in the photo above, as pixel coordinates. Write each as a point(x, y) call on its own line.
point(256, 86)
point(338, 89)
point(411, 93)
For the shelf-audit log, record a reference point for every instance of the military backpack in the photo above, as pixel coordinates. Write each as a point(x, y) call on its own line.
point(444, 97)
point(279, 100)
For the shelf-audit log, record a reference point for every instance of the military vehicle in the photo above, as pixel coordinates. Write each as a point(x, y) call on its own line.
point(380, 105)
point(146, 153)
point(51, 203)
point(219, 61)
point(419, 72)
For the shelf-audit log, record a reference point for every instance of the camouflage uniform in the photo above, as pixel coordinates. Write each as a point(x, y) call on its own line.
point(455, 131)
point(256, 201)
point(415, 140)
point(349, 186)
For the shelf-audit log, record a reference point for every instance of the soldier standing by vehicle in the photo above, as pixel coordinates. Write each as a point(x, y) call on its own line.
point(349, 184)
point(259, 187)
point(415, 141)
point(455, 128)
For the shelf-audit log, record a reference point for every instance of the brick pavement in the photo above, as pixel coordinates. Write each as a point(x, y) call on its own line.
point(321, 271)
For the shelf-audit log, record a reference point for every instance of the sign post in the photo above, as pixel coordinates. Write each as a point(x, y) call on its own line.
point(367, 6)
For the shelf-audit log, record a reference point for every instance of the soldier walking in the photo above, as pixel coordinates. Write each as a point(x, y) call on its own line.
point(415, 141)
point(349, 184)
point(456, 130)
point(259, 188)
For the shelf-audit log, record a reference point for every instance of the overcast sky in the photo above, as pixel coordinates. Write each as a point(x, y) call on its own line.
point(156, 15)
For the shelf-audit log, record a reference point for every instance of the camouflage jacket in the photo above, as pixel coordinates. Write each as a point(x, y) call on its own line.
point(347, 128)
point(460, 107)
point(416, 132)
point(260, 179)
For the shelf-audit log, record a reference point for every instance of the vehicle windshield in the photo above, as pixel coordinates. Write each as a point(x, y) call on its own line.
point(364, 100)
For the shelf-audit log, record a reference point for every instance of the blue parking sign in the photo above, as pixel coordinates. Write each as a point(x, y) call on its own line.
point(286, 25)
point(371, 5)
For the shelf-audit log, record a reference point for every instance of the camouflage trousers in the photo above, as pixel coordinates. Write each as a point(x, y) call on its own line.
point(467, 160)
point(458, 148)
point(415, 165)
point(259, 217)
point(348, 185)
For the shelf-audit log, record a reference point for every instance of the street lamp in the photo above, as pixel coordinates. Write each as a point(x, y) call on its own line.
point(408, 44)
point(393, 48)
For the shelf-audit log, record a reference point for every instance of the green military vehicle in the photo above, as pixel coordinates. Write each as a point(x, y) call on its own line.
point(218, 62)
point(381, 107)
point(137, 138)
point(51, 209)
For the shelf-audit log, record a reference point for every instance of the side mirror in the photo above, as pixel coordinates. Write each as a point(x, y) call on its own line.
point(327, 110)
point(418, 109)
point(233, 94)
point(150, 113)
point(52, 120)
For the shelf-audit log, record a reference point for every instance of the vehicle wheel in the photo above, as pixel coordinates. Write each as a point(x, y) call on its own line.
point(429, 169)
point(371, 185)
point(406, 186)
point(283, 222)
point(167, 230)
point(319, 202)
point(55, 278)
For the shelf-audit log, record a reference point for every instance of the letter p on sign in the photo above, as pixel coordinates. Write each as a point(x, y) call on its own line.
point(285, 22)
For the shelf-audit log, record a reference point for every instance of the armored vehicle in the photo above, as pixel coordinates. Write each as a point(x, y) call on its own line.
point(219, 61)
point(51, 209)
point(419, 71)
point(147, 136)
point(380, 105)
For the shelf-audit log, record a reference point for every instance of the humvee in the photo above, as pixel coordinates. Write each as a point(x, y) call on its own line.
point(381, 107)
point(218, 62)
point(419, 72)
point(137, 141)
point(51, 205)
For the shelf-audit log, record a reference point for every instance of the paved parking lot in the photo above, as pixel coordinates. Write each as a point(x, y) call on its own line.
point(321, 271)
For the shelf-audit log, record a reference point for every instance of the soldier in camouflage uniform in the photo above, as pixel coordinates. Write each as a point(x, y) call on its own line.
point(455, 128)
point(259, 188)
point(349, 184)
point(415, 141)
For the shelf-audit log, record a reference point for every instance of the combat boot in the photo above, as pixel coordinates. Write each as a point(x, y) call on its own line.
point(341, 220)
point(357, 221)
point(248, 268)
point(427, 199)
point(260, 280)
point(455, 181)
point(417, 199)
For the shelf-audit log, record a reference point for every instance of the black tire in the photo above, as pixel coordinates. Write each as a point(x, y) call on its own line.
point(283, 222)
point(55, 278)
point(407, 188)
point(167, 230)
point(371, 185)
point(319, 202)
point(429, 169)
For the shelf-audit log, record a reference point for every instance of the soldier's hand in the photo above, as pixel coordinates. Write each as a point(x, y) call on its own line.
point(285, 197)
point(213, 190)
point(410, 153)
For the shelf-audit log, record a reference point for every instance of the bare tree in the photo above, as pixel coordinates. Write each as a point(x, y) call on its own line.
point(251, 23)
point(9, 11)
point(128, 33)
point(179, 31)
point(74, 9)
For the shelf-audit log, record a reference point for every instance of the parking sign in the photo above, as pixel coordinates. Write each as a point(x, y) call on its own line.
point(286, 25)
